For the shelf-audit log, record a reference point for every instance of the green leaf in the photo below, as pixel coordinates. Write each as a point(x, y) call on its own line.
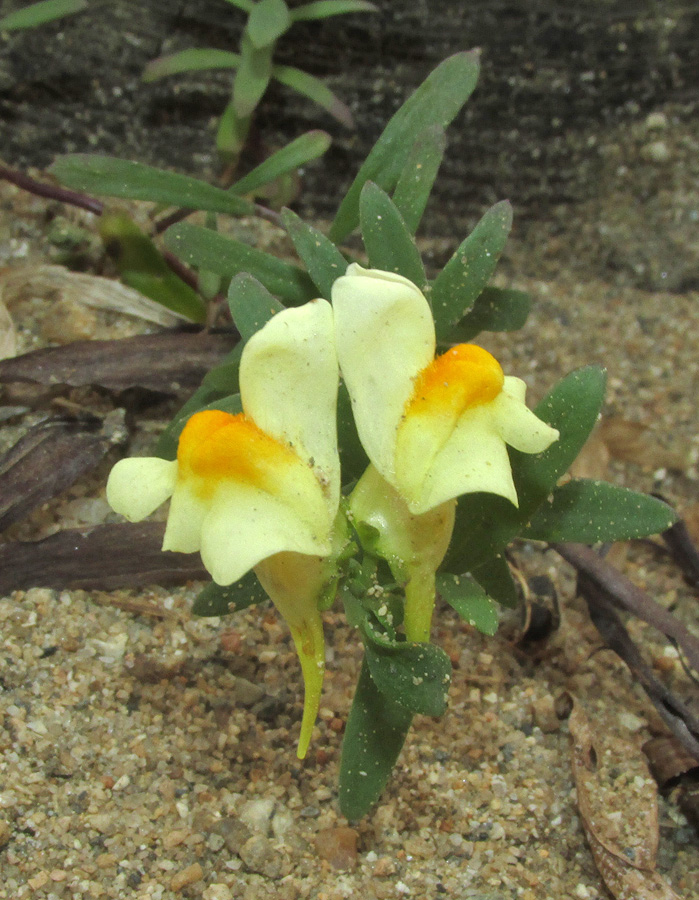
point(143, 268)
point(376, 730)
point(455, 289)
point(485, 524)
point(388, 241)
point(467, 597)
point(415, 675)
point(193, 60)
point(251, 304)
point(591, 511)
point(322, 9)
point(205, 249)
point(40, 13)
point(316, 90)
point(496, 309)
point(419, 173)
point(268, 21)
point(495, 577)
point(114, 177)
point(252, 77)
point(216, 600)
point(435, 102)
point(321, 257)
point(298, 153)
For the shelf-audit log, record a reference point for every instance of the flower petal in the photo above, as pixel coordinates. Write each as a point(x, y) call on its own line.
point(288, 383)
point(517, 425)
point(184, 521)
point(245, 524)
point(473, 459)
point(385, 337)
point(138, 486)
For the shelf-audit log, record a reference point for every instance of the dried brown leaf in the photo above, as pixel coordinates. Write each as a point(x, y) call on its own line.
point(51, 457)
point(167, 363)
point(56, 284)
point(8, 335)
point(668, 759)
point(632, 442)
point(593, 459)
point(617, 800)
point(690, 516)
point(105, 558)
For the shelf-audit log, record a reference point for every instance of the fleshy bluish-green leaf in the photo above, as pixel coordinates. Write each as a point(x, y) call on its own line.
point(169, 291)
point(216, 600)
point(419, 173)
point(218, 390)
point(252, 77)
point(376, 730)
point(590, 511)
point(195, 59)
point(40, 13)
point(268, 21)
point(494, 576)
point(389, 243)
point(323, 9)
point(436, 102)
point(114, 177)
point(142, 267)
point(415, 675)
point(321, 257)
point(455, 289)
point(206, 249)
point(251, 304)
point(486, 524)
point(298, 153)
point(467, 597)
point(495, 309)
point(316, 90)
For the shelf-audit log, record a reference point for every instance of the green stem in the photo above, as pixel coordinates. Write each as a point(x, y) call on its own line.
point(419, 604)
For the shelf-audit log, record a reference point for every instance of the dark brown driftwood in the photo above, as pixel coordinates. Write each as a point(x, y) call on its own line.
point(625, 595)
point(105, 558)
point(49, 458)
point(168, 363)
point(684, 551)
point(676, 714)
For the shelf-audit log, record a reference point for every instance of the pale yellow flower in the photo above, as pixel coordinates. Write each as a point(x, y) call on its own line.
point(260, 489)
point(434, 428)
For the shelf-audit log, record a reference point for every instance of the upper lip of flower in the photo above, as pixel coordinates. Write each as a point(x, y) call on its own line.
point(433, 428)
point(248, 486)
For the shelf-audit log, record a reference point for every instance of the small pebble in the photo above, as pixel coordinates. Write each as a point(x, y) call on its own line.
point(338, 846)
point(190, 875)
point(5, 834)
point(217, 892)
point(261, 856)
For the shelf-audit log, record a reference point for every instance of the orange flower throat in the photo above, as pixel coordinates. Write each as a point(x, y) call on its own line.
point(463, 377)
point(215, 445)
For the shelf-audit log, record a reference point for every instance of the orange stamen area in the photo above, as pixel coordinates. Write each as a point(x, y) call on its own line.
point(215, 445)
point(463, 377)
